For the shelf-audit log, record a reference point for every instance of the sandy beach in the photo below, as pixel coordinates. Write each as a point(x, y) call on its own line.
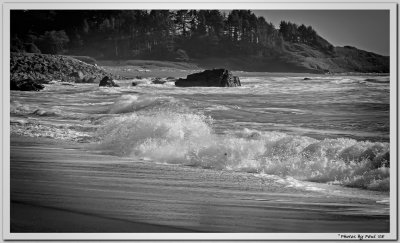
point(61, 187)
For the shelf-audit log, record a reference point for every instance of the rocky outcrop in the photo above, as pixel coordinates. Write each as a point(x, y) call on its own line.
point(54, 67)
point(77, 75)
point(210, 78)
point(26, 85)
point(108, 82)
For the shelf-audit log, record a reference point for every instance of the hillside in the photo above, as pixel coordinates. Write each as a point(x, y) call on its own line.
point(300, 58)
point(344, 59)
point(239, 40)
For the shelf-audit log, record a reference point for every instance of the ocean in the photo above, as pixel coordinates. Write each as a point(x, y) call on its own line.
point(328, 135)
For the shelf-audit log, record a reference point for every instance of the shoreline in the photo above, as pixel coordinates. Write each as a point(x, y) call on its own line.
point(63, 179)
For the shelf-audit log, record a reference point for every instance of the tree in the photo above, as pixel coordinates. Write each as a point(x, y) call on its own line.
point(234, 24)
point(182, 21)
point(302, 30)
point(53, 42)
point(155, 33)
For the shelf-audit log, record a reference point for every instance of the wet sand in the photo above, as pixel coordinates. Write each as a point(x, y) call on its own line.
point(61, 187)
point(27, 218)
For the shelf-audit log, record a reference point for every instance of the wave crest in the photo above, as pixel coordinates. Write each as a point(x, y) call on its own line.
point(187, 138)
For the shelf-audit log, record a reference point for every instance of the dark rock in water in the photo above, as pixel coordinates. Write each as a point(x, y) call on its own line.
point(306, 78)
point(210, 78)
point(138, 77)
point(108, 82)
point(158, 81)
point(134, 84)
point(236, 81)
point(26, 85)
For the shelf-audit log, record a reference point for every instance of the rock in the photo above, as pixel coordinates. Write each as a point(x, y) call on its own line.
point(42, 81)
point(108, 82)
point(78, 77)
point(78, 74)
point(134, 84)
point(138, 77)
point(26, 85)
point(158, 81)
point(236, 81)
point(306, 78)
point(37, 67)
point(54, 67)
point(210, 78)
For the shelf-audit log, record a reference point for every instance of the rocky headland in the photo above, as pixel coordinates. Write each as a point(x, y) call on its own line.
point(29, 71)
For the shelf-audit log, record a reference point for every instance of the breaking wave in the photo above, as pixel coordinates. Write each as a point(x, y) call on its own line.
point(180, 137)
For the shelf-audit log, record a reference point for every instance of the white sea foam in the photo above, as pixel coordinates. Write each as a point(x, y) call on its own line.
point(30, 129)
point(188, 138)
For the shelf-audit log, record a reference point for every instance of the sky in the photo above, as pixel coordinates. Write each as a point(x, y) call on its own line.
point(365, 29)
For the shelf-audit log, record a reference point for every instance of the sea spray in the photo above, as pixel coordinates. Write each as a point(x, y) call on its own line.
point(142, 133)
point(187, 138)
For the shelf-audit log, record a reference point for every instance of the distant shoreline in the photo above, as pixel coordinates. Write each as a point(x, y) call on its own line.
point(59, 67)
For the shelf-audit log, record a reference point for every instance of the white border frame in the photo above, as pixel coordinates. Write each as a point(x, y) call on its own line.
point(224, 4)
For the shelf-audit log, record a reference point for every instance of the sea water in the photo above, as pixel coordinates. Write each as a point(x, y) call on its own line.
point(328, 130)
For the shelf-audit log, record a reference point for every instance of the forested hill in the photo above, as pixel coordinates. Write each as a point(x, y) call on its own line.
point(211, 38)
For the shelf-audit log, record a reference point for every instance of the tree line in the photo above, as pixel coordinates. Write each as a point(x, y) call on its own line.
point(158, 34)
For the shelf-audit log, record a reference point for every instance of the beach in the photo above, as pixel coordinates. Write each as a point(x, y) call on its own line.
point(63, 188)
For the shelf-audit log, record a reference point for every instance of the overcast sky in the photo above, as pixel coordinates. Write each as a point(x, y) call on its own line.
point(365, 29)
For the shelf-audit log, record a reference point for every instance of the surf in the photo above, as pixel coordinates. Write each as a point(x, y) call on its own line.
point(188, 138)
